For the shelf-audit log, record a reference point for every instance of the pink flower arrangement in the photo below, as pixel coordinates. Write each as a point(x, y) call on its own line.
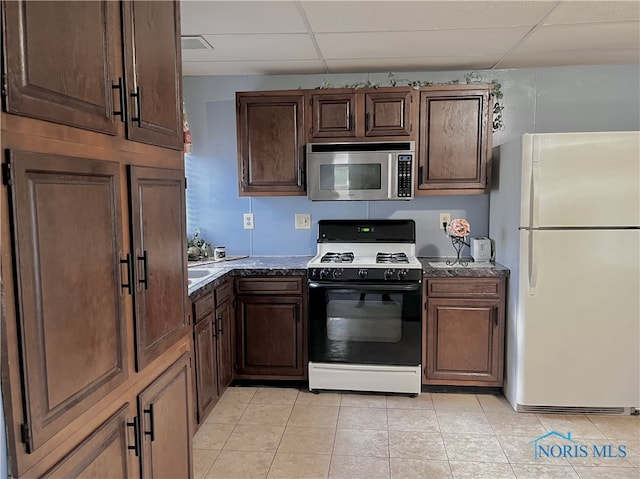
point(459, 227)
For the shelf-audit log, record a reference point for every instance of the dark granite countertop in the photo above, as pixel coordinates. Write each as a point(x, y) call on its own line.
point(437, 268)
point(252, 266)
point(297, 265)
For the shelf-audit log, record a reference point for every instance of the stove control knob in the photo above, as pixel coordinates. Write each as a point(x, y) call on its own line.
point(324, 273)
point(337, 273)
point(388, 274)
point(362, 273)
point(402, 274)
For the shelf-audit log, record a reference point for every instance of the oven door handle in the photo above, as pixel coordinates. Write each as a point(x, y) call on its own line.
point(358, 287)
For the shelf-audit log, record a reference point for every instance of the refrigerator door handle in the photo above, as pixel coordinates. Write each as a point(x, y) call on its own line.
point(534, 199)
point(532, 264)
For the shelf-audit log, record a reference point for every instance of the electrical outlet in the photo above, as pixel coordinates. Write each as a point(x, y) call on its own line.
point(303, 221)
point(248, 221)
point(444, 218)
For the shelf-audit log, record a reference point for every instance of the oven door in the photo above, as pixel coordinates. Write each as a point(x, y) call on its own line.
point(365, 323)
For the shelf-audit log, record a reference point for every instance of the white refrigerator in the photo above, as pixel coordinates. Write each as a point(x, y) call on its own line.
point(565, 218)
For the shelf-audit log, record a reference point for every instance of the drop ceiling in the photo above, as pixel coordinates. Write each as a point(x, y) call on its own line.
point(297, 37)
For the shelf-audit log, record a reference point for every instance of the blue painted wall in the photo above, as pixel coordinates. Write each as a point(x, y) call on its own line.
point(605, 98)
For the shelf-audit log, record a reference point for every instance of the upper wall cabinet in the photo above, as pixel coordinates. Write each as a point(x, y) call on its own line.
point(455, 139)
point(62, 61)
point(270, 143)
point(152, 63)
point(348, 113)
point(64, 64)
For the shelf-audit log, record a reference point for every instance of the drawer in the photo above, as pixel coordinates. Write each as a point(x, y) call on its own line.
point(202, 306)
point(222, 293)
point(281, 285)
point(465, 288)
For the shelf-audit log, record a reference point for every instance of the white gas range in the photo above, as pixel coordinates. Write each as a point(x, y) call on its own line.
point(365, 307)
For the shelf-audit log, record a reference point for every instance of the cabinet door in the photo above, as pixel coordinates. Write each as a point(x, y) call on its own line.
point(67, 232)
point(270, 144)
point(454, 141)
point(464, 341)
point(166, 423)
point(104, 453)
point(159, 250)
point(152, 62)
point(333, 115)
point(205, 343)
point(225, 345)
point(388, 113)
point(61, 61)
point(270, 336)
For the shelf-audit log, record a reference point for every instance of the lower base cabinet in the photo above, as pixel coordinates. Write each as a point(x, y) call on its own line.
point(213, 344)
point(270, 328)
point(152, 440)
point(463, 332)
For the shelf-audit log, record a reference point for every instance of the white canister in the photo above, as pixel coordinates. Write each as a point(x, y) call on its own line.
point(219, 252)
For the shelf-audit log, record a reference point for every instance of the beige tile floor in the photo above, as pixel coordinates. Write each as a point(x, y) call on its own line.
point(287, 433)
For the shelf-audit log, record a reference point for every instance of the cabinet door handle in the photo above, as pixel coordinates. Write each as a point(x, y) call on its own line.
point(151, 431)
point(138, 118)
point(495, 315)
point(136, 436)
point(120, 88)
point(129, 283)
point(215, 327)
point(220, 325)
point(144, 280)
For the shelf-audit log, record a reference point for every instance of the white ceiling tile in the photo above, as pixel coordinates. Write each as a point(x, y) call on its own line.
point(440, 43)
point(251, 68)
point(588, 11)
point(215, 17)
point(399, 64)
point(369, 16)
point(567, 58)
point(597, 36)
point(261, 47)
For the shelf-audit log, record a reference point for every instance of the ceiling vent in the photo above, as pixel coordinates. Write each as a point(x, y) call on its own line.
point(195, 42)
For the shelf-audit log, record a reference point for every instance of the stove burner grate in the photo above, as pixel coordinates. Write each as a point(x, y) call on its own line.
point(392, 258)
point(337, 258)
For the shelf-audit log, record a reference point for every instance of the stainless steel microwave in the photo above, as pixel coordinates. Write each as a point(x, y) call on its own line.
point(360, 171)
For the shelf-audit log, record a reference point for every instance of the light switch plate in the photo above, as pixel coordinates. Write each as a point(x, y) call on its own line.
point(303, 221)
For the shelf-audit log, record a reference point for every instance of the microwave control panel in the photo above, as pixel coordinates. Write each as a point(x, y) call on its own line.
point(405, 172)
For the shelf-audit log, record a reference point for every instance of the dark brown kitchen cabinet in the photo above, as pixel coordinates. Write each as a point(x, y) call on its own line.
point(455, 140)
point(159, 258)
point(270, 143)
point(463, 343)
point(93, 275)
point(225, 334)
point(164, 414)
point(333, 114)
point(62, 60)
point(270, 328)
point(65, 64)
point(152, 64)
point(67, 235)
point(104, 453)
point(205, 344)
point(340, 114)
point(213, 342)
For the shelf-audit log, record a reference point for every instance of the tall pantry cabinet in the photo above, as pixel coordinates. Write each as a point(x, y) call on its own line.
point(95, 331)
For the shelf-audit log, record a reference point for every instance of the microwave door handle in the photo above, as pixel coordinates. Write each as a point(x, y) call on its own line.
point(392, 192)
